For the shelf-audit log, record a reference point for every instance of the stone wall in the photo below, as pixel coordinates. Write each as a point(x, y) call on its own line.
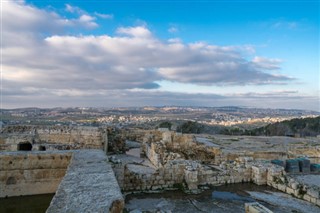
point(189, 148)
point(53, 137)
point(268, 155)
point(159, 146)
point(290, 185)
point(83, 180)
point(184, 174)
point(275, 176)
point(180, 161)
point(190, 175)
point(303, 150)
point(30, 173)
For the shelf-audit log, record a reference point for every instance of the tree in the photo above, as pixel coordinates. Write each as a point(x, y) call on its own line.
point(190, 127)
point(165, 124)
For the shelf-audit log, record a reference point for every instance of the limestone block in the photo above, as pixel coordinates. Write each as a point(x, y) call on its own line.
point(307, 197)
point(281, 187)
point(290, 190)
point(313, 200)
point(256, 207)
point(314, 192)
point(156, 187)
point(294, 185)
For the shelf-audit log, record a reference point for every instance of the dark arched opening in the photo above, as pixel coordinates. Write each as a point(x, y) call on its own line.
point(25, 146)
point(42, 148)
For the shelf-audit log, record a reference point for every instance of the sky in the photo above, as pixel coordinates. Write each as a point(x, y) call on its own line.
point(209, 53)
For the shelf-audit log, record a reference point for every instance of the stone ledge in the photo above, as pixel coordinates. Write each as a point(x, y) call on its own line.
point(88, 186)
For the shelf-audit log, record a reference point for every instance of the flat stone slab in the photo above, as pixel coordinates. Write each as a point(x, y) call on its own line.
point(308, 179)
point(88, 186)
point(206, 142)
point(140, 169)
point(132, 144)
point(129, 159)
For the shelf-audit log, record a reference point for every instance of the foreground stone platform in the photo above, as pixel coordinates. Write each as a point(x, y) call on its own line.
point(88, 186)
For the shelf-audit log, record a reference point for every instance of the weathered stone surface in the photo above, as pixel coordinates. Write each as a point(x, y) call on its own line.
point(53, 137)
point(140, 169)
point(30, 173)
point(256, 208)
point(89, 186)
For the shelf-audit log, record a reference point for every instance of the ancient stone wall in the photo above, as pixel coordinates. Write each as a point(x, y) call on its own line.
point(52, 137)
point(268, 155)
point(310, 151)
point(178, 160)
point(181, 161)
point(292, 186)
point(275, 176)
point(137, 177)
point(158, 148)
point(188, 147)
point(30, 173)
point(187, 174)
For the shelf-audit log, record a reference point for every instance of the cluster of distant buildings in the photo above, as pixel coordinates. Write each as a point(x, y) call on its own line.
point(130, 119)
point(226, 120)
point(224, 116)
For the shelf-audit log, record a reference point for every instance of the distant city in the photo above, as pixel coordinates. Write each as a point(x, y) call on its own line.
point(131, 116)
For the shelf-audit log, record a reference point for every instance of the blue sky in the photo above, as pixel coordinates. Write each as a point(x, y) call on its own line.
point(135, 53)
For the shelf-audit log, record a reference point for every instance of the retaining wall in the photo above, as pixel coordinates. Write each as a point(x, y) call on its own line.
point(30, 173)
point(53, 137)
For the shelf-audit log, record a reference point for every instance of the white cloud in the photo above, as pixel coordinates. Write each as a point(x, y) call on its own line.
point(174, 40)
point(26, 19)
point(104, 16)
point(87, 21)
point(282, 24)
point(267, 63)
point(111, 98)
point(139, 31)
point(173, 30)
point(84, 19)
point(72, 9)
point(39, 60)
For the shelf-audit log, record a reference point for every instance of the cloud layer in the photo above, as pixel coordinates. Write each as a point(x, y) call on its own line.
point(42, 57)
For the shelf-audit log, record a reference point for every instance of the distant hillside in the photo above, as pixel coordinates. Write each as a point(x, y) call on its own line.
point(301, 126)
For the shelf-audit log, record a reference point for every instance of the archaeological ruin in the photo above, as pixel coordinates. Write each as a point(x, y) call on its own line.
point(92, 169)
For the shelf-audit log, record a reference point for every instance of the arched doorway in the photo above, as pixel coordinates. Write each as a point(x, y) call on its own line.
point(24, 146)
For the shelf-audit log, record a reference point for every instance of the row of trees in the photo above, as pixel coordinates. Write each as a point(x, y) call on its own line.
point(186, 127)
point(300, 126)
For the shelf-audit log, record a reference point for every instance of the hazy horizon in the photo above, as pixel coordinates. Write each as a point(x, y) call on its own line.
point(75, 53)
point(158, 106)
